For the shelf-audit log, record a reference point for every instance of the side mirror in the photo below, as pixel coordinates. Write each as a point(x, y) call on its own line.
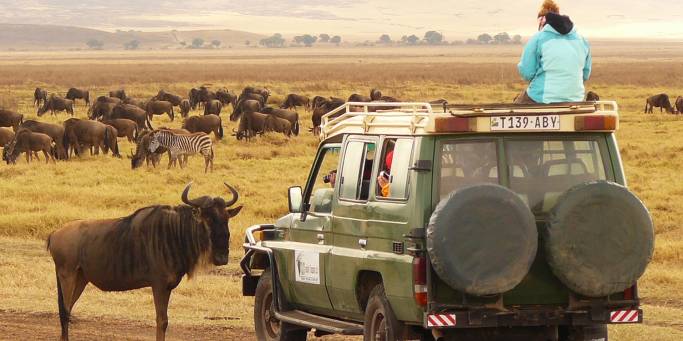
point(295, 198)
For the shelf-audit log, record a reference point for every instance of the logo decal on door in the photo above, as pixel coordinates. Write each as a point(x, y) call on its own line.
point(307, 266)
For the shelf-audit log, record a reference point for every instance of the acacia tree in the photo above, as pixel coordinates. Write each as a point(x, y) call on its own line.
point(502, 38)
point(197, 43)
point(517, 39)
point(336, 40)
point(131, 45)
point(216, 43)
point(433, 38)
point(484, 38)
point(95, 44)
point(324, 38)
point(275, 40)
point(384, 39)
point(309, 40)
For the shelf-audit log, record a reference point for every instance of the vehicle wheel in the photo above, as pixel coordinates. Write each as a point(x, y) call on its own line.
point(380, 322)
point(584, 333)
point(268, 328)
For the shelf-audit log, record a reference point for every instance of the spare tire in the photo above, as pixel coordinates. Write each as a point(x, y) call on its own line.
point(482, 239)
point(599, 238)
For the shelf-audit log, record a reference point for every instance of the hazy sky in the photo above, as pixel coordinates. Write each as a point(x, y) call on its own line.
point(457, 19)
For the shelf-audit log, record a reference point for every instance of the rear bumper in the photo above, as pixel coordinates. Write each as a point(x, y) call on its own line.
point(529, 318)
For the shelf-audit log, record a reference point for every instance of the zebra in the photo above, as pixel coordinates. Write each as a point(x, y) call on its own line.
point(182, 145)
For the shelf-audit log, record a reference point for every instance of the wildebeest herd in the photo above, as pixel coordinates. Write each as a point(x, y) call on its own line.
point(118, 115)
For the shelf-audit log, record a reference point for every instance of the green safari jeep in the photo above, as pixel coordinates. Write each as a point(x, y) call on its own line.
point(467, 222)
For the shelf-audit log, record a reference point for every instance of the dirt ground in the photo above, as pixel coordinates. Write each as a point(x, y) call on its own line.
point(45, 326)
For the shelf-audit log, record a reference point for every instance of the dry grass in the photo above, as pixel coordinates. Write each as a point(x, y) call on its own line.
point(38, 198)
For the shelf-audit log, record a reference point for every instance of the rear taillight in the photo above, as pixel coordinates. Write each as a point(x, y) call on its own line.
point(629, 294)
point(420, 280)
point(595, 122)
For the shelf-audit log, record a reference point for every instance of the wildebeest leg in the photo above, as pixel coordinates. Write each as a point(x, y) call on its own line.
point(47, 156)
point(70, 285)
point(161, 295)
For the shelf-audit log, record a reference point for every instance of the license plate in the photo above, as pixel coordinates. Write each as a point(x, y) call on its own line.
point(528, 123)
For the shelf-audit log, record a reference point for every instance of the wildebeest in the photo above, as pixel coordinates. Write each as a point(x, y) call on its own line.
point(86, 133)
point(226, 97)
point(168, 97)
point(375, 94)
point(205, 95)
point(159, 108)
point(294, 100)
point(133, 113)
point(291, 116)
point(193, 97)
point(660, 101)
point(205, 124)
point(213, 107)
point(155, 247)
point(105, 99)
point(592, 96)
point(359, 98)
point(324, 108)
point(142, 152)
point(244, 106)
point(140, 103)
point(252, 96)
point(124, 127)
point(39, 97)
point(6, 136)
point(251, 123)
point(26, 141)
point(55, 131)
point(278, 125)
point(679, 105)
point(185, 107)
point(264, 92)
point(56, 103)
point(101, 109)
point(120, 94)
point(9, 118)
point(75, 93)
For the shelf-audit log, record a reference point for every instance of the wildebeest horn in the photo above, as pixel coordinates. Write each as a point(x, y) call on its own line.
point(235, 195)
point(201, 202)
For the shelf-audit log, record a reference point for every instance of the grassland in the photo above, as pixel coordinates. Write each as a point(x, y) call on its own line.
point(38, 198)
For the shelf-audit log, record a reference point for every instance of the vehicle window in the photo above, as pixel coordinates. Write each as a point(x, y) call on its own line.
point(541, 170)
point(324, 181)
point(357, 170)
point(392, 179)
point(467, 163)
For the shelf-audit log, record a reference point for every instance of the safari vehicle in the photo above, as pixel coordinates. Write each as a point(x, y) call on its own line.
point(508, 222)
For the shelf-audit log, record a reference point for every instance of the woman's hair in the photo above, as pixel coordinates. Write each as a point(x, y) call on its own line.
point(549, 6)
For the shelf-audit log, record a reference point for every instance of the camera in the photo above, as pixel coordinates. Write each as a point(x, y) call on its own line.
point(327, 178)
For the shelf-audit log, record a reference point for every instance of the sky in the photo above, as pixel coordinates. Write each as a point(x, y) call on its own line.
point(456, 19)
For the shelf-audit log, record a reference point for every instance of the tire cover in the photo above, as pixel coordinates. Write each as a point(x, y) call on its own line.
point(482, 239)
point(599, 239)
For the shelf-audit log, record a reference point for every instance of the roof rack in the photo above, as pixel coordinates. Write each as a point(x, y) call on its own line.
point(411, 118)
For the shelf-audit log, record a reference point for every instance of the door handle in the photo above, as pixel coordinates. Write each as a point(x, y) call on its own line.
point(362, 243)
point(321, 238)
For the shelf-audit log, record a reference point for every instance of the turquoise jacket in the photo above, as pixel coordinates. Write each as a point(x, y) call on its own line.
point(556, 64)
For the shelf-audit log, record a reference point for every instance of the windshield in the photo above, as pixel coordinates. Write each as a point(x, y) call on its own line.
point(538, 170)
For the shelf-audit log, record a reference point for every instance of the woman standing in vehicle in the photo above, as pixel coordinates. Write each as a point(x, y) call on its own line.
point(556, 60)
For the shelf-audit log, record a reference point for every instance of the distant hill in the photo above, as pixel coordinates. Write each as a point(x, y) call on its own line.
point(53, 37)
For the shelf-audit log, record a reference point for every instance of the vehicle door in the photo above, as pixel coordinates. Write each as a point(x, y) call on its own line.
point(350, 222)
point(310, 235)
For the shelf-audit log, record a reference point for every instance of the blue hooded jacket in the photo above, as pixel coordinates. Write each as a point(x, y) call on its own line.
point(556, 62)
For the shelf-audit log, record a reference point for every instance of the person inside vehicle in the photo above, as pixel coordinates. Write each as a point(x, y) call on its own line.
point(331, 178)
point(556, 61)
point(384, 178)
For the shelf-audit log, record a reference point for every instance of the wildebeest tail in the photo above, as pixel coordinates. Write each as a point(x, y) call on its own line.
point(220, 127)
point(63, 314)
point(295, 129)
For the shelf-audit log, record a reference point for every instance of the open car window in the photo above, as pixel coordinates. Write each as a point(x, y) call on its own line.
point(356, 174)
point(324, 181)
point(395, 163)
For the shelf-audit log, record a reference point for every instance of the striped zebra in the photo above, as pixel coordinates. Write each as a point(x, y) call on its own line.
point(182, 145)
